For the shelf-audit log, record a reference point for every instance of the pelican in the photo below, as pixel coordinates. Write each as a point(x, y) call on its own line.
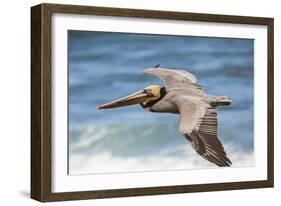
point(197, 110)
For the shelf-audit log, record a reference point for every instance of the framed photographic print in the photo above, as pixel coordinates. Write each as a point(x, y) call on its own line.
point(130, 102)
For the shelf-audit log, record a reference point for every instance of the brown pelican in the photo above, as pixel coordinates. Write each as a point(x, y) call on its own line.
point(197, 110)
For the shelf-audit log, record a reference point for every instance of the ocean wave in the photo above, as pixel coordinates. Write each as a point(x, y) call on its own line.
point(154, 144)
point(105, 162)
point(133, 137)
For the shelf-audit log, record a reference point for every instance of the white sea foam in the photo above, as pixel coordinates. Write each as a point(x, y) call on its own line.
point(90, 135)
point(107, 163)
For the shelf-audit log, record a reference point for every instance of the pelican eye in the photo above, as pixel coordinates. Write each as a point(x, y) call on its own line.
point(148, 92)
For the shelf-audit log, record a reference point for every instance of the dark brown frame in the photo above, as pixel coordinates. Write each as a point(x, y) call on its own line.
point(41, 101)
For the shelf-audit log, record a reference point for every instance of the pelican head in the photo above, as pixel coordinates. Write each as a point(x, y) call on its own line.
point(148, 94)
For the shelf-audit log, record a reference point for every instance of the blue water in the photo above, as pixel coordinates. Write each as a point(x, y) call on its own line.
point(105, 66)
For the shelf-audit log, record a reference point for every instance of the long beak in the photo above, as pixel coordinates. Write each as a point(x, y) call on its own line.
point(135, 98)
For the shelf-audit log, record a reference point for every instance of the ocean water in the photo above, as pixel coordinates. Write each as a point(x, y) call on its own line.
point(106, 66)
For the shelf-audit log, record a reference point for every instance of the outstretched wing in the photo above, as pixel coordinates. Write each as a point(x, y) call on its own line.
point(174, 78)
point(198, 123)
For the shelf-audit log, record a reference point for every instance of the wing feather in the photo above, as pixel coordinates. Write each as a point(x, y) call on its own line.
point(198, 123)
point(175, 78)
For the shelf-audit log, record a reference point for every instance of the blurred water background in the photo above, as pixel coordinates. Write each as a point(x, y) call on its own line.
point(105, 66)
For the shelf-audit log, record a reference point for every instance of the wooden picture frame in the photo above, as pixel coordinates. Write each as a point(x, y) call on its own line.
point(41, 116)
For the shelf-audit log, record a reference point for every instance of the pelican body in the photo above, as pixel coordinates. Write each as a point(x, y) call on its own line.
point(197, 110)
